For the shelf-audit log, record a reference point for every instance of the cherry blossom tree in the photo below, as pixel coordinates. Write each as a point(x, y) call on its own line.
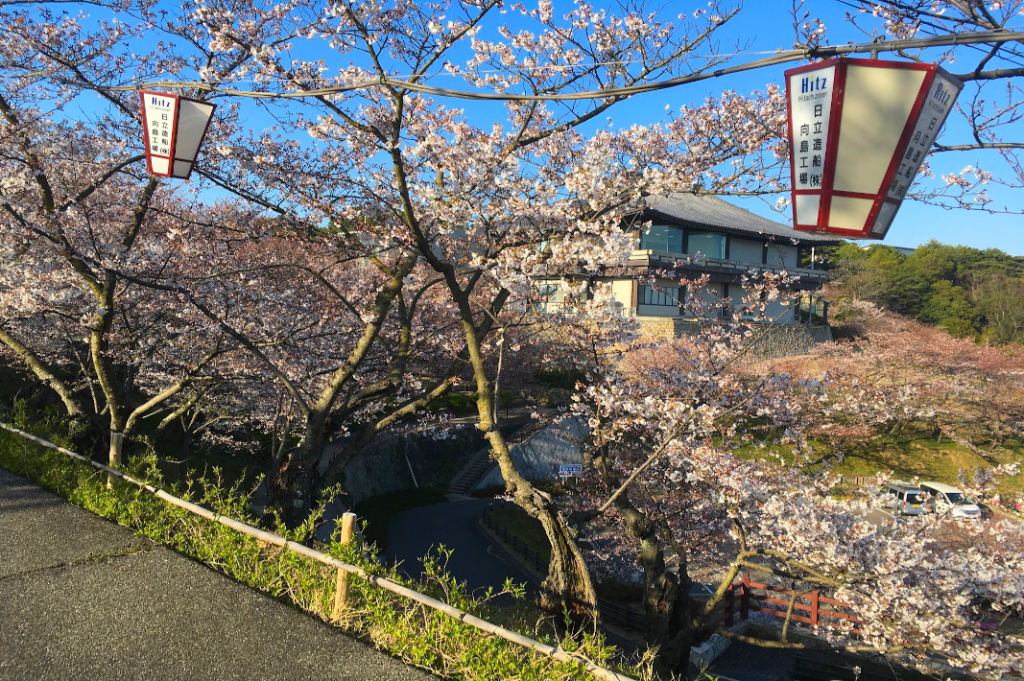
point(700, 464)
point(477, 204)
point(67, 315)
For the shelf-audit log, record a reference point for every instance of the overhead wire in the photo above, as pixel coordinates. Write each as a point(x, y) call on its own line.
point(972, 38)
point(939, 28)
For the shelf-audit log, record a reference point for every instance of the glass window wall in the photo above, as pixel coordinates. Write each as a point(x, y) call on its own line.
point(666, 297)
point(711, 245)
point(662, 238)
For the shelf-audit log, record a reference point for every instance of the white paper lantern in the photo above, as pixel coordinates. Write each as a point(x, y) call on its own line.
point(859, 130)
point(175, 127)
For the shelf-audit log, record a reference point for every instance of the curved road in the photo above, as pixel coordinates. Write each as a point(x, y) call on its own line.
point(417, 532)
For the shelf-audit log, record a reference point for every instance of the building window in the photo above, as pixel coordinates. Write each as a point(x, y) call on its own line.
point(665, 296)
point(711, 245)
point(662, 238)
point(546, 295)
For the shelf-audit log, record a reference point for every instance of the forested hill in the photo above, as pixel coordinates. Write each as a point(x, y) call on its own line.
point(967, 291)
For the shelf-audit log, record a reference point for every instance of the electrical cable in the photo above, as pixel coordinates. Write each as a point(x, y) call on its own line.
point(973, 38)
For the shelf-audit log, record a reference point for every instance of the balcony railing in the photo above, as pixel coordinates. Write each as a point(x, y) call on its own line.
point(705, 263)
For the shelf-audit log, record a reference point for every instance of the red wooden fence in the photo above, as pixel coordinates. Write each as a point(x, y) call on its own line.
point(758, 597)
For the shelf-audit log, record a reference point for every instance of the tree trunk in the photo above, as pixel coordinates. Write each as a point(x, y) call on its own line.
point(292, 489)
point(116, 451)
point(666, 596)
point(42, 372)
point(567, 586)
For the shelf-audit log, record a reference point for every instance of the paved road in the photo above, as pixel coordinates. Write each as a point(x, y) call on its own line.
point(416, 532)
point(83, 598)
point(745, 662)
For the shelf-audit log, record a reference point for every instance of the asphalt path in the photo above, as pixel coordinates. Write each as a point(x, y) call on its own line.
point(877, 516)
point(84, 598)
point(453, 524)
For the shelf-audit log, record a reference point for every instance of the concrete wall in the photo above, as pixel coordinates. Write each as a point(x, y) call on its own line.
point(745, 250)
point(781, 340)
point(792, 339)
point(385, 465)
point(540, 456)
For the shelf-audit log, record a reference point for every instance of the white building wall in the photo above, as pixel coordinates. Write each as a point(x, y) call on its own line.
point(622, 291)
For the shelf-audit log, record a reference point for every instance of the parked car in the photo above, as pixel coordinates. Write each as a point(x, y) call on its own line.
point(949, 499)
point(907, 499)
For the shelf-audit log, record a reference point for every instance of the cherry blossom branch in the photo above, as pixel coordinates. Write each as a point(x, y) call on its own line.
point(980, 145)
point(39, 368)
point(673, 434)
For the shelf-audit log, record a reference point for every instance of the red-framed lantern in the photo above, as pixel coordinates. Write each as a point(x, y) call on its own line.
point(174, 130)
point(859, 130)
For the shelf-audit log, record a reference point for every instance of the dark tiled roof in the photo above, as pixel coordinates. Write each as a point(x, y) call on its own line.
point(704, 210)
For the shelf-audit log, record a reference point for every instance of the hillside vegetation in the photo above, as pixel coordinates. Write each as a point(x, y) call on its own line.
point(970, 293)
point(907, 397)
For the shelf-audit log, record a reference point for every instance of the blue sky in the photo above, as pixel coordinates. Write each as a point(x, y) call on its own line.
point(764, 26)
point(767, 24)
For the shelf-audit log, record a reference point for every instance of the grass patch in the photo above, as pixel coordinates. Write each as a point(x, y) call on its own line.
point(377, 512)
point(419, 636)
point(916, 452)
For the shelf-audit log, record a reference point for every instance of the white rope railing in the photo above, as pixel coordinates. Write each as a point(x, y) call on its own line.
point(382, 582)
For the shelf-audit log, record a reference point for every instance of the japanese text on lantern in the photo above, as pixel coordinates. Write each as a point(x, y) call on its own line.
point(811, 107)
point(160, 122)
point(935, 108)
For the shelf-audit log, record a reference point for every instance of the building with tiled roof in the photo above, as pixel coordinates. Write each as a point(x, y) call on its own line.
point(687, 236)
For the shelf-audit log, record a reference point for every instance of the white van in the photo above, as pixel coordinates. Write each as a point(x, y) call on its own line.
point(907, 499)
point(948, 499)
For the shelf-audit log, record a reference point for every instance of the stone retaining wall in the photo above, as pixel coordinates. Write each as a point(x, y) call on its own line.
point(781, 340)
point(539, 457)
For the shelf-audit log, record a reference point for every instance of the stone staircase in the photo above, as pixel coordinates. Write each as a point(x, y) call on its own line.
point(481, 462)
point(472, 472)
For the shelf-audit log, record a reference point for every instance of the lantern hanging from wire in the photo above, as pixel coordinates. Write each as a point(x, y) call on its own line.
point(859, 130)
point(174, 130)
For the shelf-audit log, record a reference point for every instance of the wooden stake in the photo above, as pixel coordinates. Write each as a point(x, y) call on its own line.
point(114, 455)
point(348, 529)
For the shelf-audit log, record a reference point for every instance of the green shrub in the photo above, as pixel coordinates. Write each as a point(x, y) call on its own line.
point(410, 631)
point(560, 378)
point(459, 401)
